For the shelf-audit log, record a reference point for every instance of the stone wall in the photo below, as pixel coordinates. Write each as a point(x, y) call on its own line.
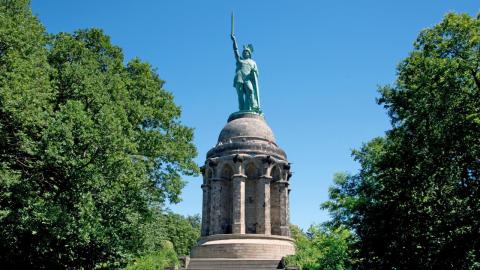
point(245, 194)
point(263, 204)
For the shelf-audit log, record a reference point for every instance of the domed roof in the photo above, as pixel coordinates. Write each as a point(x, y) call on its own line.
point(247, 126)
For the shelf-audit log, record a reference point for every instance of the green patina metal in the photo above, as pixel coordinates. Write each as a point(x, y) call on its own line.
point(246, 78)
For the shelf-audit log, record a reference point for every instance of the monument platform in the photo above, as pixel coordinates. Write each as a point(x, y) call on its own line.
point(212, 264)
point(245, 213)
point(244, 246)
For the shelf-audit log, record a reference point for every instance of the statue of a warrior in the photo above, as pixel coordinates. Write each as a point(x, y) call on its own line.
point(246, 77)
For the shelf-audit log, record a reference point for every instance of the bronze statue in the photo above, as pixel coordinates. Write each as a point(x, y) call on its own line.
point(246, 77)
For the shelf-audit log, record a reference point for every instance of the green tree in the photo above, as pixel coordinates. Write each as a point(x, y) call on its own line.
point(415, 204)
point(321, 248)
point(88, 147)
point(182, 232)
point(158, 260)
point(167, 236)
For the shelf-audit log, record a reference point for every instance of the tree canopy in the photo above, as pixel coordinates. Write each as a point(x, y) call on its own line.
point(415, 204)
point(89, 146)
point(321, 248)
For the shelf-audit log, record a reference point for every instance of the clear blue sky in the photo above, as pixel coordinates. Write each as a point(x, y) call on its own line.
point(320, 64)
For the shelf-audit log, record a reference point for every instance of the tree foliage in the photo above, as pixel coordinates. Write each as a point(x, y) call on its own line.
point(415, 204)
point(162, 258)
point(88, 146)
point(166, 237)
point(183, 232)
point(321, 248)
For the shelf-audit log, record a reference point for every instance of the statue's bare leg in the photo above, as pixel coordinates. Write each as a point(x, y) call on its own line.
point(249, 96)
point(241, 97)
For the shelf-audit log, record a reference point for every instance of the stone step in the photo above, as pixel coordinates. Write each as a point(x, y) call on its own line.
point(233, 264)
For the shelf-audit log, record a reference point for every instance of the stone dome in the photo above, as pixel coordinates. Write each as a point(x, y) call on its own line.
point(246, 133)
point(246, 127)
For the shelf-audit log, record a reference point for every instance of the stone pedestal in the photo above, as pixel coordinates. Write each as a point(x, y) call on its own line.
point(244, 246)
point(245, 188)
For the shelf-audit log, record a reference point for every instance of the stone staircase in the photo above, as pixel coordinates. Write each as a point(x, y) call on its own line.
point(230, 264)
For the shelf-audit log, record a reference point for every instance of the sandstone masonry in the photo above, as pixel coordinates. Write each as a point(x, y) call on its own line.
point(245, 210)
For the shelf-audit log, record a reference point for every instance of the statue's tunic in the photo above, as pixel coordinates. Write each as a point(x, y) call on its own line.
point(246, 79)
point(244, 72)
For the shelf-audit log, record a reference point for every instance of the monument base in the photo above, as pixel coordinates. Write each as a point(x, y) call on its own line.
point(244, 246)
point(241, 114)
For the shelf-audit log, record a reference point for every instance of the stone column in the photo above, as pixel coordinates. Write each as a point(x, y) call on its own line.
point(205, 209)
point(284, 226)
point(238, 215)
point(288, 209)
point(263, 205)
point(215, 206)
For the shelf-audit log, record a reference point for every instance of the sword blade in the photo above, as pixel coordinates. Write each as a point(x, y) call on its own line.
point(231, 30)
